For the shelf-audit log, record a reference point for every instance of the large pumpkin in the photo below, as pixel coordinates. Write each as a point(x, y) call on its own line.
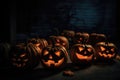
point(82, 53)
point(81, 38)
point(105, 50)
point(24, 56)
point(54, 57)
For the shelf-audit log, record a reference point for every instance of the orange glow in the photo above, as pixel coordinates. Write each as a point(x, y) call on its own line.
point(102, 48)
point(45, 52)
point(81, 57)
point(81, 48)
point(49, 62)
point(58, 53)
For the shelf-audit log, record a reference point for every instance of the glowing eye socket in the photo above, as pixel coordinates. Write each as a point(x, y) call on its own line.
point(102, 48)
point(57, 53)
point(45, 52)
point(81, 48)
point(89, 49)
point(113, 49)
point(22, 55)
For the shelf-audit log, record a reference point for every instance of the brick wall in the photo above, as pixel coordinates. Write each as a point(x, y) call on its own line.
point(89, 15)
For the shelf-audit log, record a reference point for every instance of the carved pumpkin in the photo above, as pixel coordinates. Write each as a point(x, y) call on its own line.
point(59, 40)
point(24, 56)
point(81, 38)
point(54, 57)
point(105, 50)
point(96, 37)
point(69, 34)
point(82, 53)
point(40, 42)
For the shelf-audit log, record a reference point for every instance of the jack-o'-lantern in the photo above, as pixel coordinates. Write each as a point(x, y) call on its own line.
point(24, 56)
point(105, 50)
point(59, 40)
point(81, 38)
point(54, 57)
point(69, 34)
point(82, 53)
point(96, 37)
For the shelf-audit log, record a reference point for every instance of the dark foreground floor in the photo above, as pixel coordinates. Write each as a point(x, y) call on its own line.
point(99, 71)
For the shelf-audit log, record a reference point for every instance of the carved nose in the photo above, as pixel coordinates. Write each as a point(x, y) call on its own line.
point(50, 57)
point(85, 52)
point(107, 51)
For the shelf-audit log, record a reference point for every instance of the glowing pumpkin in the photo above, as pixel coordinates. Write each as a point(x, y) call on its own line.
point(82, 53)
point(81, 38)
point(24, 56)
point(54, 57)
point(105, 50)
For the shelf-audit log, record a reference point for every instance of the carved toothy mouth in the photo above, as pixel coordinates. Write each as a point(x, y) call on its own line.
point(106, 55)
point(82, 57)
point(52, 62)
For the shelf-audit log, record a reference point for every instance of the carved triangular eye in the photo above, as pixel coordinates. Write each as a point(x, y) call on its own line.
point(112, 49)
point(81, 48)
point(89, 49)
point(102, 48)
point(45, 52)
point(57, 53)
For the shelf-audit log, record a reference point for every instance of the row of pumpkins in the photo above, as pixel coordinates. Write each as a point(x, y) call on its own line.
point(53, 52)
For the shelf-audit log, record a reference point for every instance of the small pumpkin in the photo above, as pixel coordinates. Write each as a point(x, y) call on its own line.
point(81, 38)
point(105, 50)
point(69, 34)
point(96, 37)
point(59, 40)
point(24, 56)
point(54, 57)
point(82, 53)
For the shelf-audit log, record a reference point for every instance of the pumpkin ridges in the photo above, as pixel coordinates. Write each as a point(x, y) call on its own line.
point(54, 48)
point(29, 59)
point(106, 45)
point(73, 54)
point(33, 53)
point(63, 38)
